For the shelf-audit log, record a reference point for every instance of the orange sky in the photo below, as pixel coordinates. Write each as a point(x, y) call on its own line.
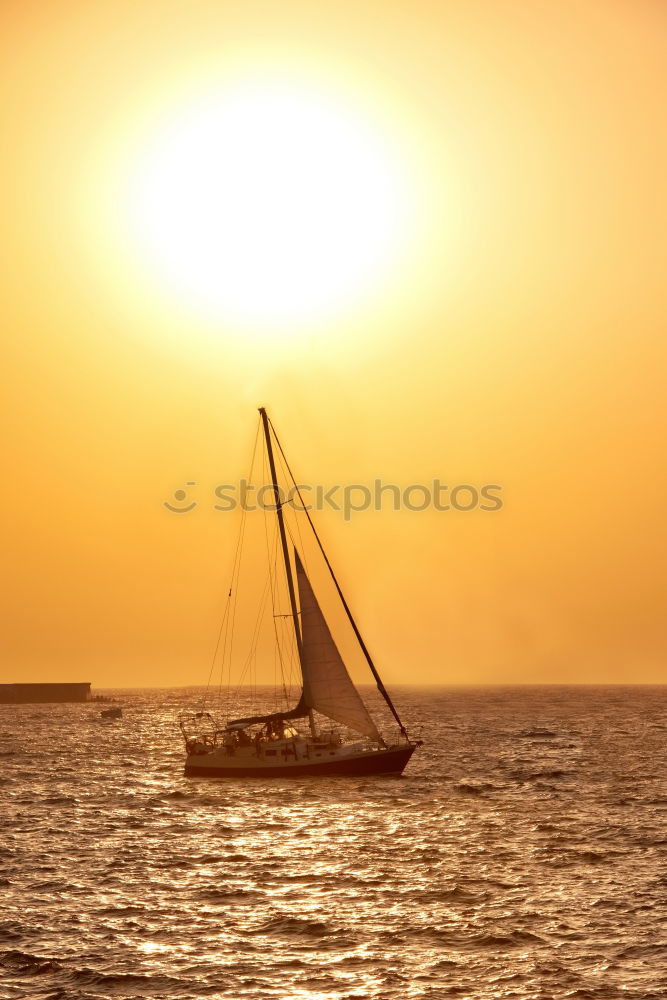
point(520, 340)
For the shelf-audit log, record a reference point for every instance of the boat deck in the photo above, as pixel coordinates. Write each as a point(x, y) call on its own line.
point(293, 758)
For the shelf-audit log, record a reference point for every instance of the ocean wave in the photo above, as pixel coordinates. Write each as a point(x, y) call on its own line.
point(222, 895)
point(514, 939)
point(537, 733)
point(295, 927)
point(499, 865)
point(455, 894)
point(21, 963)
point(545, 774)
point(24, 964)
point(474, 787)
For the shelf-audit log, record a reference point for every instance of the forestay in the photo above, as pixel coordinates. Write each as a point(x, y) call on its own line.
point(327, 686)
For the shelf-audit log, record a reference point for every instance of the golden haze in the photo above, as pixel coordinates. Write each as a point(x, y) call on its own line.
point(521, 342)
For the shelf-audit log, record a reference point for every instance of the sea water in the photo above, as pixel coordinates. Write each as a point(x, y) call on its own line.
point(522, 855)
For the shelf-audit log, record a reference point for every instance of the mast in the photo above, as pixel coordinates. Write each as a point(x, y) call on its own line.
point(378, 680)
point(281, 529)
point(285, 550)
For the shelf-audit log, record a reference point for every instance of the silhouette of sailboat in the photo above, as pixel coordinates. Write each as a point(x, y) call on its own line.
point(277, 744)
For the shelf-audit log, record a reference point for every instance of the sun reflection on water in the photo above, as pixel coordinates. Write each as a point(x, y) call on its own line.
point(497, 867)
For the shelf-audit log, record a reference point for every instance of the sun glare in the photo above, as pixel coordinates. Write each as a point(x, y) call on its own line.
point(270, 205)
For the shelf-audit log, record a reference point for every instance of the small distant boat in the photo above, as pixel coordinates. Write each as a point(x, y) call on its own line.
point(274, 745)
point(112, 713)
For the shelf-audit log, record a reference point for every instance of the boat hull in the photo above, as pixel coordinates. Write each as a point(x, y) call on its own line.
point(390, 761)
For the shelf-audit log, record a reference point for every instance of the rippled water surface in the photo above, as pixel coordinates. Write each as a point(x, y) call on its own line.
point(521, 855)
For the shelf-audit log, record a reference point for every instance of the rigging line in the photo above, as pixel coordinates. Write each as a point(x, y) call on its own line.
point(285, 680)
point(271, 587)
point(258, 621)
point(295, 518)
point(269, 541)
point(279, 687)
point(273, 566)
point(270, 558)
point(225, 617)
point(230, 623)
point(291, 640)
point(292, 672)
point(256, 630)
point(294, 657)
point(262, 615)
point(253, 643)
point(233, 596)
point(281, 526)
point(237, 563)
point(378, 680)
point(215, 653)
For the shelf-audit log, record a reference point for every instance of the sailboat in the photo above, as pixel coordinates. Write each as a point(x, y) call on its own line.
point(290, 743)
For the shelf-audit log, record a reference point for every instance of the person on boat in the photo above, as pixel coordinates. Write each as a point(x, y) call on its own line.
point(279, 727)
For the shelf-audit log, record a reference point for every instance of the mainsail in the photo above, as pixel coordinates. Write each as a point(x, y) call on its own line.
point(327, 686)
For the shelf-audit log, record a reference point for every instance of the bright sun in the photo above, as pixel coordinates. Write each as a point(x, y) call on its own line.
point(270, 205)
